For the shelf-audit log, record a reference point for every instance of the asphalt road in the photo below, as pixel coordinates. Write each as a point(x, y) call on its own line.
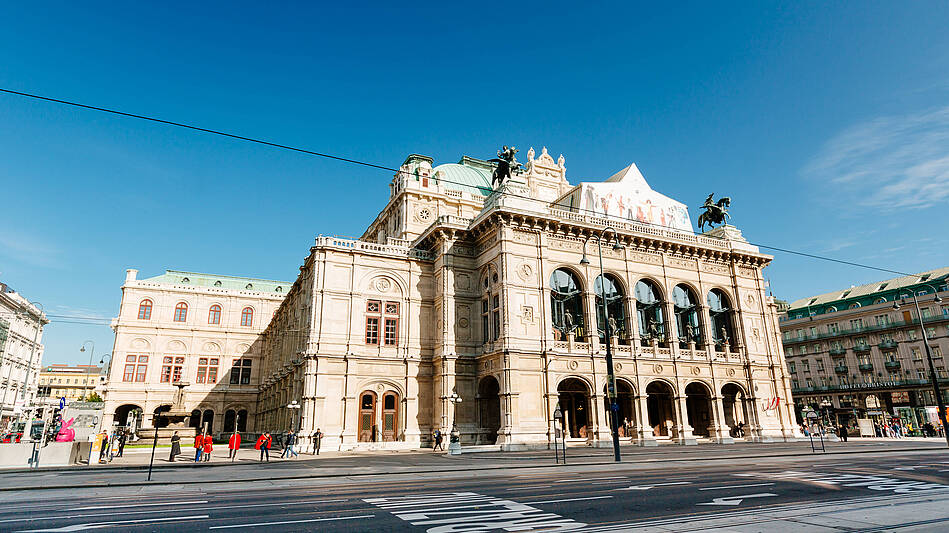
point(889, 491)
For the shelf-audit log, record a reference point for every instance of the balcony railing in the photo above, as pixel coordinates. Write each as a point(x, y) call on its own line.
point(841, 369)
point(930, 320)
point(888, 344)
point(838, 352)
point(892, 365)
point(861, 348)
point(865, 367)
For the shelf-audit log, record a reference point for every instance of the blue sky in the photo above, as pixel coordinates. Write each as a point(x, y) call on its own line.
point(827, 125)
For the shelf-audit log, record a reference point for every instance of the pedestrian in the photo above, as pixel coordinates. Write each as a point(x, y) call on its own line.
point(175, 446)
point(233, 444)
point(123, 436)
point(104, 446)
point(263, 444)
point(317, 440)
point(740, 430)
point(842, 432)
point(208, 446)
point(288, 445)
point(437, 437)
point(198, 446)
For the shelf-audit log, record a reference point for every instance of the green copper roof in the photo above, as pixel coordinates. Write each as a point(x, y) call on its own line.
point(465, 178)
point(886, 290)
point(196, 279)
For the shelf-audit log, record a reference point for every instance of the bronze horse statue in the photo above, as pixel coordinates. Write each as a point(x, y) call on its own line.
point(715, 213)
point(507, 166)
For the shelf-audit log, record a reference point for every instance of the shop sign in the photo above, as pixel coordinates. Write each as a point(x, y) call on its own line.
point(900, 396)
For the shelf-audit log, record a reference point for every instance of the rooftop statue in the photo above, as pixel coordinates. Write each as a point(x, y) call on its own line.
point(715, 212)
point(507, 166)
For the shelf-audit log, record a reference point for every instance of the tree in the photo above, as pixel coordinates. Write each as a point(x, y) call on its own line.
point(92, 397)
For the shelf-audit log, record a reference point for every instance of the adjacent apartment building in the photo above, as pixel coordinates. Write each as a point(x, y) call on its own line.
point(481, 310)
point(852, 355)
point(193, 337)
point(21, 353)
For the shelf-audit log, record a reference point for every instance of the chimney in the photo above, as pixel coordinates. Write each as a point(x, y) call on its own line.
point(130, 274)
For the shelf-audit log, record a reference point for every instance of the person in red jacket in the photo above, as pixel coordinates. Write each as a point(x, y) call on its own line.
point(198, 446)
point(207, 447)
point(263, 444)
point(233, 444)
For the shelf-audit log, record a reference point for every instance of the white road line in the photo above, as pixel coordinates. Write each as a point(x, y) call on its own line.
point(102, 525)
point(737, 486)
point(218, 507)
point(531, 487)
point(610, 482)
point(294, 521)
point(567, 500)
point(98, 507)
point(588, 479)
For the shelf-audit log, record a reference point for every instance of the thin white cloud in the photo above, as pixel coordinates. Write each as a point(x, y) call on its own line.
point(28, 250)
point(898, 161)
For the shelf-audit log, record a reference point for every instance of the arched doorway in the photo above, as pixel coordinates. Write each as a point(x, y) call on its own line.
point(390, 416)
point(230, 419)
point(128, 415)
point(626, 415)
point(659, 404)
point(367, 416)
point(652, 327)
point(574, 397)
point(489, 409)
point(698, 407)
point(242, 420)
point(160, 420)
point(195, 420)
point(733, 403)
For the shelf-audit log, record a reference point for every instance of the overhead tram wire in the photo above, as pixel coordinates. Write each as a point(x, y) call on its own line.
point(399, 171)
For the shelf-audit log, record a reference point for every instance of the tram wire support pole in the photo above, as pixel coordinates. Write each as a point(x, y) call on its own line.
point(607, 335)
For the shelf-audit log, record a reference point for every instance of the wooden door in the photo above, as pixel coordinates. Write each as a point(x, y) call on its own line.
point(390, 416)
point(367, 416)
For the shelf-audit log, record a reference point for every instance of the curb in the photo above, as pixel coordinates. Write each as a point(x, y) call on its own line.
point(453, 470)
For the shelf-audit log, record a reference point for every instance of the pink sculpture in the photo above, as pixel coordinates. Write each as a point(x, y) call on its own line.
point(66, 433)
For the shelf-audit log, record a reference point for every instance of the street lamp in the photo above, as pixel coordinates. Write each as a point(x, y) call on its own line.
point(91, 353)
point(929, 356)
point(558, 417)
point(608, 334)
point(454, 438)
point(294, 406)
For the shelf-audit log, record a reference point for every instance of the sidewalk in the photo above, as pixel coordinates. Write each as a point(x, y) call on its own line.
point(129, 470)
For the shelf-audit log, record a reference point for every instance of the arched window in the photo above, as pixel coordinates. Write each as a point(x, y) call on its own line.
point(145, 310)
point(880, 300)
point(687, 316)
point(247, 317)
point(615, 307)
point(181, 312)
point(566, 304)
point(490, 311)
point(649, 312)
point(855, 305)
point(214, 314)
point(720, 311)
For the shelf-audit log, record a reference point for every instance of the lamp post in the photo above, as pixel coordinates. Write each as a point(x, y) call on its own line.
point(929, 356)
point(558, 416)
point(454, 438)
point(607, 333)
point(294, 407)
point(91, 353)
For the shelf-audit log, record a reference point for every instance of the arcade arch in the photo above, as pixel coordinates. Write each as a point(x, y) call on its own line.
point(698, 404)
point(489, 409)
point(660, 407)
point(574, 397)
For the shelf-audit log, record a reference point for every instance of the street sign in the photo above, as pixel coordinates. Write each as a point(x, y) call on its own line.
point(62, 402)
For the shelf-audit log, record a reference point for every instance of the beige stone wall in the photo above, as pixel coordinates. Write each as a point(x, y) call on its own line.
point(161, 336)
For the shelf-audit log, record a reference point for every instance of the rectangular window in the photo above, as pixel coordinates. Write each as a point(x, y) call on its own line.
point(795, 384)
point(927, 312)
point(883, 320)
point(166, 369)
point(141, 368)
point(941, 372)
point(791, 368)
point(372, 330)
point(171, 369)
point(917, 355)
point(176, 369)
point(485, 326)
point(856, 324)
point(931, 331)
point(806, 366)
point(207, 370)
point(497, 316)
point(832, 328)
point(392, 331)
point(820, 365)
point(937, 352)
point(911, 334)
point(808, 383)
point(129, 374)
point(240, 372)
point(813, 332)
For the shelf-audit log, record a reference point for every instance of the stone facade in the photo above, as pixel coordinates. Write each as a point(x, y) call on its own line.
point(197, 333)
point(458, 291)
point(21, 353)
point(65, 381)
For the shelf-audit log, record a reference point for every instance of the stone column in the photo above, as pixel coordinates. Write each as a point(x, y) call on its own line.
point(644, 435)
point(683, 429)
point(720, 428)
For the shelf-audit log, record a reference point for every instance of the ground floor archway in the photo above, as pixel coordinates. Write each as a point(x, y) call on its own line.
point(661, 409)
point(734, 406)
point(625, 413)
point(159, 420)
point(390, 416)
point(128, 415)
point(489, 409)
point(367, 417)
point(698, 407)
point(574, 397)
